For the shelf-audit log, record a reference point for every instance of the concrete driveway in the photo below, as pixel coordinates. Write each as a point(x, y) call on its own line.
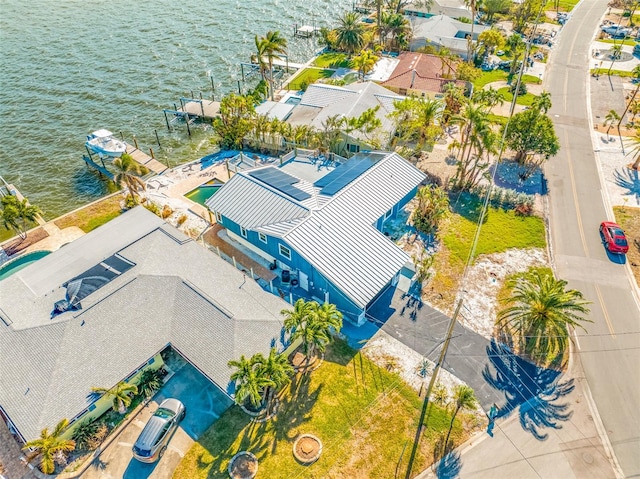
point(204, 402)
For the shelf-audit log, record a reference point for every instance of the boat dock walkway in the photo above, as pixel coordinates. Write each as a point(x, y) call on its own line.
point(146, 160)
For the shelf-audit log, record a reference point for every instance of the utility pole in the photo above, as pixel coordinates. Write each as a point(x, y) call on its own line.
point(436, 370)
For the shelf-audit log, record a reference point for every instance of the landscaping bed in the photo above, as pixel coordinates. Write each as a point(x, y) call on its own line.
point(91, 216)
point(629, 219)
point(363, 414)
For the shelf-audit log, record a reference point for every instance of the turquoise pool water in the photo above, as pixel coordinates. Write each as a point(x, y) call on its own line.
point(21, 262)
point(202, 193)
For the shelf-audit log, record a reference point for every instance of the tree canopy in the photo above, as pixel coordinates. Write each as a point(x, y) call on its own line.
point(532, 133)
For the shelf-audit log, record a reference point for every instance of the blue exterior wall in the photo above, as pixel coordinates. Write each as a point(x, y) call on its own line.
point(318, 284)
point(396, 208)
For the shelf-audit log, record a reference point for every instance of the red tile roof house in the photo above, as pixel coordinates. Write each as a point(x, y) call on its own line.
point(421, 74)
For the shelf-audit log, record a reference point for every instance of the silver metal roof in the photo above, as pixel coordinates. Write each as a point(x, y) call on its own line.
point(251, 204)
point(178, 292)
point(336, 235)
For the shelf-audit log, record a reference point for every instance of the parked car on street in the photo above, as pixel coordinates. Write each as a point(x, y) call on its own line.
point(615, 30)
point(153, 440)
point(613, 237)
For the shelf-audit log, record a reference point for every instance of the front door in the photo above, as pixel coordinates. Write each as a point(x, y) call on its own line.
point(304, 281)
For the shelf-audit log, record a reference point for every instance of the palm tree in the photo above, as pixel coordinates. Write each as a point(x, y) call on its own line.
point(542, 102)
point(610, 119)
point(18, 214)
point(539, 313)
point(350, 32)
point(634, 142)
point(490, 97)
point(47, 446)
point(277, 369)
point(273, 45)
point(472, 4)
point(313, 324)
point(120, 393)
point(616, 52)
point(364, 63)
point(251, 379)
point(517, 46)
point(440, 395)
point(128, 173)
point(463, 398)
point(260, 53)
point(396, 27)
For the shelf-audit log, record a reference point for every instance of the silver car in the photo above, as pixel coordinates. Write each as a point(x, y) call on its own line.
point(152, 442)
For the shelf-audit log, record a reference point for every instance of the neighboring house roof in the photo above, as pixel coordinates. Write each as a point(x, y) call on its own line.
point(320, 102)
point(337, 235)
point(420, 71)
point(177, 293)
point(273, 109)
point(450, 8)
point(444, 31)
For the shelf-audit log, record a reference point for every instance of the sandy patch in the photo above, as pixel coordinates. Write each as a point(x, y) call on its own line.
point(484, 280)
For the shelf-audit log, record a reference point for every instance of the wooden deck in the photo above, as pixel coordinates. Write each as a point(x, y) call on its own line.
point(144, 159)
point(200, 108)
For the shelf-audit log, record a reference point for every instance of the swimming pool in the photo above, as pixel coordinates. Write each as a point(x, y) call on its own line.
point(17, 264)
point(205, 191)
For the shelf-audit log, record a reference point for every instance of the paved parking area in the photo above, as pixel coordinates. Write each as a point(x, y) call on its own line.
point(204, 402)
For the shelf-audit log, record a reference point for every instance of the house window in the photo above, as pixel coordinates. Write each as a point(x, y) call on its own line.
point(353, 148)
point(218, 217)
point(263, 237)
point(243, 232)
point(284, 251)
point(403, 91)
point(92, 407)
point(388, 213)
point(151, 361)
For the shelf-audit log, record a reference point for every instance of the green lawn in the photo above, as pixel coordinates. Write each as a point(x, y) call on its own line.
point(94, 215)
point(5, 234)
point(614, 73)
point(501, 231)
point(364, 415)
point(332, 60)
point(490, 77)
point(628, 41)
point(525, 99)
point(563, 5)
point(308, 77)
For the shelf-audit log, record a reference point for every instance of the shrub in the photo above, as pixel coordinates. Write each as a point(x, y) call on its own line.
point(130, 202)
point(166, 212)
point(150, 382)
point(101, 432)
point(152, 207)
point(521, 91)
point(181, 219)
point(84, 433)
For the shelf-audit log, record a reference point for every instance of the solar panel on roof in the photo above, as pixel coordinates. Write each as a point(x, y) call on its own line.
point(356, 167)
point(281, 181)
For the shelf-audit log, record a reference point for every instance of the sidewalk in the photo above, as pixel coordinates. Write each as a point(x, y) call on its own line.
point(572, 451)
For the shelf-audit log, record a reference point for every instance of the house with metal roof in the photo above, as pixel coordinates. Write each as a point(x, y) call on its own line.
point(451, 8)
point(321, 102)
point(101, 309)
point(442, 31)
point(323, 223)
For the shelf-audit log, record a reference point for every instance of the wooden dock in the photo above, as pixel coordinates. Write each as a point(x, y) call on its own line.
point(146, 160)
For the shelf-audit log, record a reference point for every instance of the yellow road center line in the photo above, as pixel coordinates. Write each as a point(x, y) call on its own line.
point(604, 312)
point(575, 195)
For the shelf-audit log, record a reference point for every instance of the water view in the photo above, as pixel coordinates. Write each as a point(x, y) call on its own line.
point(69, 67)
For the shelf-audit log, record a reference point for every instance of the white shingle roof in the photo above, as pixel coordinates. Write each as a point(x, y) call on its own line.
point(178, 292)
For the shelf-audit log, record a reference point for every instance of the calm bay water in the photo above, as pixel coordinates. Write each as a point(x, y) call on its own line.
point(68, 67)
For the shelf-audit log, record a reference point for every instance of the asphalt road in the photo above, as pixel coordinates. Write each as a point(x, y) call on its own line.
point(610, 350)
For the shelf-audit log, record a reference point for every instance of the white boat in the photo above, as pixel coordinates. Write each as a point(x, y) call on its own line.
point(103, 143)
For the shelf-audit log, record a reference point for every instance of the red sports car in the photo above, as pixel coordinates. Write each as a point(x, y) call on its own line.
point(614, 239)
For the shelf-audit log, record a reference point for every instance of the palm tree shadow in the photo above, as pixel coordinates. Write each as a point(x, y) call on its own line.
point(531, 389)
point(628, 179)
point(449, 466)
point(294, 410)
